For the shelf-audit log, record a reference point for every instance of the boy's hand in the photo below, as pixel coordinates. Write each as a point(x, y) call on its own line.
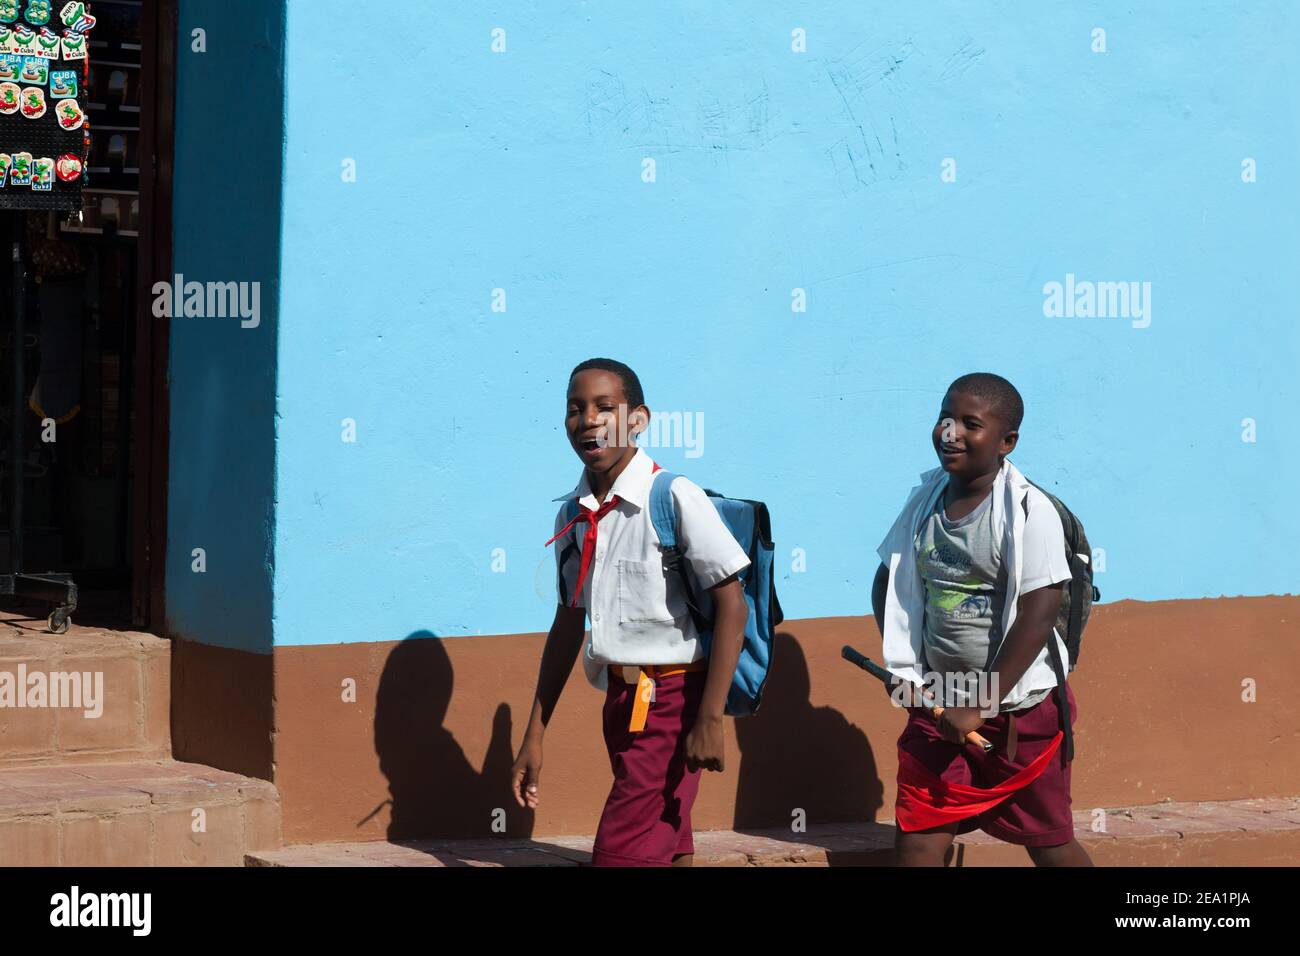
point(956, 722)
point(526, 772)
point(704, 746)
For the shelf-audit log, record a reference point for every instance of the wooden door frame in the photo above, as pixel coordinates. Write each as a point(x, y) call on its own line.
point(150, 404)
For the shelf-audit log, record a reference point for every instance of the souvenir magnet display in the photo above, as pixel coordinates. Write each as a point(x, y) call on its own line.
point(35, 36)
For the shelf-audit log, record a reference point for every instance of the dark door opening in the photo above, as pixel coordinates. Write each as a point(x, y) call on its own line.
point(92, 455)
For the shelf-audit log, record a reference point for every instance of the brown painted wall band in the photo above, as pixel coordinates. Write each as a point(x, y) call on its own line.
point(426, 748)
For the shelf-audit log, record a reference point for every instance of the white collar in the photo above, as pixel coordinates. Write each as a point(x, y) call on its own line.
point(632, 485)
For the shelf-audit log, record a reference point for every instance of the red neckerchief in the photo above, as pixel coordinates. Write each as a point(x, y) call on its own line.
point(589, 537)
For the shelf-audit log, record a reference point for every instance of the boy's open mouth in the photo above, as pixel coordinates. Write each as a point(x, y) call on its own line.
point(592, 447)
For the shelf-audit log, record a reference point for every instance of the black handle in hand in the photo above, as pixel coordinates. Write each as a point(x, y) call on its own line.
point(882, 675)
point(867, 664)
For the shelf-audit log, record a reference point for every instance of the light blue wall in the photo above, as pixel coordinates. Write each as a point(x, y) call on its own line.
point(226, 225)
point(776, 170)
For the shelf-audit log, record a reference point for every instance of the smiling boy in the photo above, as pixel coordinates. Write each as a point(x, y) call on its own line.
point(970, 586)
point(662, 718)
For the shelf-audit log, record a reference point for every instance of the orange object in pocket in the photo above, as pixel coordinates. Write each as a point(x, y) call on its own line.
point(645, 686)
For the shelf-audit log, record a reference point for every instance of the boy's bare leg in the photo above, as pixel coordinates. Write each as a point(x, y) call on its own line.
point(1065, 854)
point(684, 859)
point(923, 847)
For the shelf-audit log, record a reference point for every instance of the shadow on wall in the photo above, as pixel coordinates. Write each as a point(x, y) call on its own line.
point(795, 756)
point(434, 789)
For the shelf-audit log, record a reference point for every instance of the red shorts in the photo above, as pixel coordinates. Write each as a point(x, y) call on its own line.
point(647, 818)
point(1038, 815)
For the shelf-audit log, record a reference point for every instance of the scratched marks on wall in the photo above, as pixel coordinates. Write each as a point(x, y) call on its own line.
point(961, 60)
point(873, 85)
point(853, 107)
point(709, 120)
point(870, 84)
point(741, 123)
point(612, 109)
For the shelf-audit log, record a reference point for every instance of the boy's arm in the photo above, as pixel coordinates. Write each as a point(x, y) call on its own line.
point(1044, 572)
point(716, 559)
point(878, 590)
point(1035, 617)
point(563, 643)
point(704, 746)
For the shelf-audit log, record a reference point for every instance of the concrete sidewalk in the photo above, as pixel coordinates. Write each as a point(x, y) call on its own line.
point(1260, 832)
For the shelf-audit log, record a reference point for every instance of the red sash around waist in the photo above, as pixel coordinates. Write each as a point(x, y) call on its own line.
point(926, 801)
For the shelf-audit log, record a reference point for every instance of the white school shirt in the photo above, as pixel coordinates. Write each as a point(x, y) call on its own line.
point(637, 613)
point(1033, 552)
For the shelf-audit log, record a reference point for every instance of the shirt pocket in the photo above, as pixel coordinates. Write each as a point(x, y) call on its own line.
point(644, 596)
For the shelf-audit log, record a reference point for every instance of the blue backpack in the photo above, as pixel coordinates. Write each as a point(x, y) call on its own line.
point(750, 525)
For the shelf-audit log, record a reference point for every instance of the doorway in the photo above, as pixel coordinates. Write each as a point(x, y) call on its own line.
point(92, 457)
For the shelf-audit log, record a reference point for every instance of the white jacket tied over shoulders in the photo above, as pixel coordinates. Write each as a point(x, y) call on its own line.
point(1033, 552)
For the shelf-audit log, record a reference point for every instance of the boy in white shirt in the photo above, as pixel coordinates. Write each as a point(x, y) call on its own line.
point(664, 703)
point(969, 592)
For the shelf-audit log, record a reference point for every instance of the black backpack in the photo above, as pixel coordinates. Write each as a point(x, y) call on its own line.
point(1076, 606)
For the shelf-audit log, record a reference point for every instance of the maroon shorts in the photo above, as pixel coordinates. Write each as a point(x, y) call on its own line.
point(1038, 815)
point(647, 818)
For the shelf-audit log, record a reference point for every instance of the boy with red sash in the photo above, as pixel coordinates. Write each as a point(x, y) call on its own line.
point(970, 587)
point(662, 718)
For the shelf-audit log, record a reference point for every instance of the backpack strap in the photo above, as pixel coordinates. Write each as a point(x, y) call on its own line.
point(1078, 570)
point(663, 516)
point(570, 512)
point(1074, 627)
point(1062, 699)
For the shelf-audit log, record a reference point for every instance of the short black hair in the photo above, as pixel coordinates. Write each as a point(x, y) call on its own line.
point(631, 384)
point(998, 392)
